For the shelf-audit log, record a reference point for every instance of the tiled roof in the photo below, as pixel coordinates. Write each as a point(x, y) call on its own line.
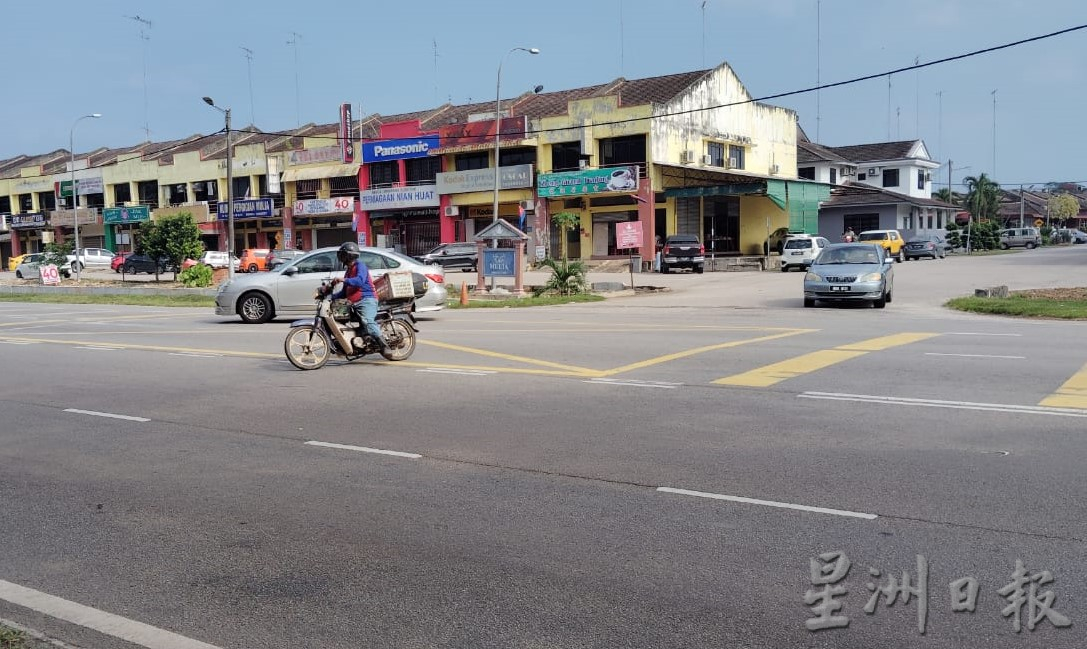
point(851, 193)
point(876, 151)
point(812, 152)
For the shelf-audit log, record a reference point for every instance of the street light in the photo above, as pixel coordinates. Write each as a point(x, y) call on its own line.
point(497, 133)
point(75, 197)
point(229, 190)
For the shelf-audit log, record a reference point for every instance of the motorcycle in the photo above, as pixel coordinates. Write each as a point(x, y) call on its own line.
point(333, 331)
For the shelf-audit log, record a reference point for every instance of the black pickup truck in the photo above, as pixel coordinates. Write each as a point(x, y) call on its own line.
point(683, 251)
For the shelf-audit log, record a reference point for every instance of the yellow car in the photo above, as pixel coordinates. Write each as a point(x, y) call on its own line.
point(891, 241)
point(13, 262)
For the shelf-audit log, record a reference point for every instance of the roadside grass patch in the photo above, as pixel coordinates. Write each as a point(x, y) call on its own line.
point(13, 638)
point(1054, 303)
point(186, 299)
point(542, 300)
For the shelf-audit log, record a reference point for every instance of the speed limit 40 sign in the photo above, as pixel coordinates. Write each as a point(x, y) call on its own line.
point(49, 274)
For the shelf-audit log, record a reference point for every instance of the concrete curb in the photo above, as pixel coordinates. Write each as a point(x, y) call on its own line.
point(103, 290)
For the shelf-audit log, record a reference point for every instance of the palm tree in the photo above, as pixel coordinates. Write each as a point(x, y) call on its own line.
point(948, 196)
point(982, 196)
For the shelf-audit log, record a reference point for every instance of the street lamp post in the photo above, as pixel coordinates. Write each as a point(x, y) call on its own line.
point(497, 134)
point(229, 190)
point(75, 196)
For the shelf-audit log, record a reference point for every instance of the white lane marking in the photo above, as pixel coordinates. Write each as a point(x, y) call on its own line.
point(132, 631)
point(365, 449)
point(768, 503)
point(196, 355)
point(449, 370)
point(976, 356)
point(105, 414)
point(635, 383)
point(17, 342)
point(975, 333)
point(957, 405)
point(98, 348)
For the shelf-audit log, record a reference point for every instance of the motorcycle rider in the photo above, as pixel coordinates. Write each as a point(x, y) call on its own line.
point(358, 289)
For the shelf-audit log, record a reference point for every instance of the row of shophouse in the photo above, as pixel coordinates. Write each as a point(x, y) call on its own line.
point(686, 153)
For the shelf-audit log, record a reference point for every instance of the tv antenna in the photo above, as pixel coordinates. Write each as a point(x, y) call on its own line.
point(249, 69)
point(145, 38)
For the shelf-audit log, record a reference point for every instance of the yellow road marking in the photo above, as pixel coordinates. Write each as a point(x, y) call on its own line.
point(38, 323)
point(699, 350)
point(568, 369)
point(153, 348)
point(1073, 394)
point(768, 375)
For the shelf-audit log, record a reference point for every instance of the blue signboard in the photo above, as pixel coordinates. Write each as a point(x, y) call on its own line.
point(253, 208)
point(400, 149)
point(499, 262)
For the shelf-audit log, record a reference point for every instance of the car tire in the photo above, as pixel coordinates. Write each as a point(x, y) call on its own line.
point(18, 274)
point(890, 296)
point(881, 302)
point(130, 269)
point(784, 268)
point(252, 268)
point(77, 267)
point(1030, 245)
point(699, 269)
point(809, 302)
point(901, 256)
point(1003, 246)
point(255, 308)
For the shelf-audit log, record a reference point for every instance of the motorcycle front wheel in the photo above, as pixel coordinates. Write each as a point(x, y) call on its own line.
point(307, 348)
point(400, 338)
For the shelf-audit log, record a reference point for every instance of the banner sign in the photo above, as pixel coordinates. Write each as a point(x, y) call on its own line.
point(134, 214)
point(400, 149)
point(482, 132)
point(308, 156)
point(628, 234)
point(19, 221)
point(347, 148)
point(480, 180)
point(573, 183)
point(315, 206)
point(83, 187)
point(253, 208)
point(400, 198)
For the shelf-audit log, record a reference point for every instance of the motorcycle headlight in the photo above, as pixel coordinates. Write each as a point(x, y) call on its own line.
point(871, 277)
point(812, 277)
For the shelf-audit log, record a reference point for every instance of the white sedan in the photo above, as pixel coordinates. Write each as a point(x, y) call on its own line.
point(90, 257)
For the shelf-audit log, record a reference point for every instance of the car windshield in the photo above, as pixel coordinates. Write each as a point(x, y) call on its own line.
point(798, 244)
point(682, 240)
point(403, 259)
point(847, 256)
point(872, 236)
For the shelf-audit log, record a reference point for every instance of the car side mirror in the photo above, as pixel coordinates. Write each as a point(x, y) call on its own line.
point(290, 270)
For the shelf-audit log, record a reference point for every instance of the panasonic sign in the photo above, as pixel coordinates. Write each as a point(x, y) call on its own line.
point(398, 149)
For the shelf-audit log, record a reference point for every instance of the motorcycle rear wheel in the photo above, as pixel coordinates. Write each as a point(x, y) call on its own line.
point(400, 338)
point(307, 348)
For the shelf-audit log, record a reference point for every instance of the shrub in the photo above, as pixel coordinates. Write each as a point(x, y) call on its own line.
point(567, 278)
point(196, 276)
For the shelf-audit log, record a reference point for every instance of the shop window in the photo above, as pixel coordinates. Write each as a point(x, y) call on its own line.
point(716, 152)
point(862, 176)
point(122, 193)
point(890, 177)
point(629, 149)
point(422, 171)
point(307, 189)
point(241, 188)
point(469, 161)
point(519, 156)
point(149, 192)
point(736, 157)
point(861, 222)
point(178, 194)
point(920, 179)
point(95, 200)
point(343, 186)
point(5, 205)
point(384, 174)
point(807, 173)
point(47, 201)
point(566, 156)
point(26, 203)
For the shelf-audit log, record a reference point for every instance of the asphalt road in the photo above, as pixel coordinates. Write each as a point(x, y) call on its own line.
point(651, 471)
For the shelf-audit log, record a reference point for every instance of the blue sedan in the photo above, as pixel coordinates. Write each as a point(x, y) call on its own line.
point(850, 272)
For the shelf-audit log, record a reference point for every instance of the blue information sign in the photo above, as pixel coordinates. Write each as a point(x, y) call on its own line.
point(499, 262)
point(253, 208)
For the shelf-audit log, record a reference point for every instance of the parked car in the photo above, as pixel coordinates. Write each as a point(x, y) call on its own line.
point(218, 259)
point(850, 272)
point(776, 241)
point(683, 251)
point(280, 257)
point(890, 240)
point(118, 261)
point(1070, 235)
point(926, 245)
point(144, 264)
point(288, 290)
point(91, 257)
point(452, 255)
point(800, 251)
point(13, 262)
point(30, 263)
point(1020, 238)
point(254, 259)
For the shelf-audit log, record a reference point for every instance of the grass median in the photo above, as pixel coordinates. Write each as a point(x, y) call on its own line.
point(1053, 303)
point(110, 298)
point(543, 300)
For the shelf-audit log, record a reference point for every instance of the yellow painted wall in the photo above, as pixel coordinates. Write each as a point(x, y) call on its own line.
point(755, 213)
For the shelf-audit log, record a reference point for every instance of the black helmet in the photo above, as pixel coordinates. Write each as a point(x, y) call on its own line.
point(349, 249)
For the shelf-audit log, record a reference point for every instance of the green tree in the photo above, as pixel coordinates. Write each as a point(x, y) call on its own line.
point(948, 196)
point(982, 197)
point(565, 221)
point(1063, 207)
point(57, 254)
point(174, 238)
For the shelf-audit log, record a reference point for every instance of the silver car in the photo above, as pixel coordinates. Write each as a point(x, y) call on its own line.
point(288, 289)
point(91, 257)
point(28, 268)
point(850, 272)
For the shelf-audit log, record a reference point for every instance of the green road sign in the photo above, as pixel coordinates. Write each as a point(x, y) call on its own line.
point(136, 214)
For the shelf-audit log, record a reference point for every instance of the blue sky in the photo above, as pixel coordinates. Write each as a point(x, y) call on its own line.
point(68, 58)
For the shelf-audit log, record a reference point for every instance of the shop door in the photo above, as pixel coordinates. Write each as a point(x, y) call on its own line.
point(420, 237)
point(721, 225)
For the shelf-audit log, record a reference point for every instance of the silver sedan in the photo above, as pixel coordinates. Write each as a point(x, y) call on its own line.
point(850, 272)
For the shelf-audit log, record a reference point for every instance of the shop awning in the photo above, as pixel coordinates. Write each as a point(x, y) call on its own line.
point(323, 171)
point(801, 199)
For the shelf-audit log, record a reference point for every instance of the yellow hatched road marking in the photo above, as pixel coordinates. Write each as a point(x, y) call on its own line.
point(1073, 394)
point(768, 375)
point(570, 369)
point(700, 350)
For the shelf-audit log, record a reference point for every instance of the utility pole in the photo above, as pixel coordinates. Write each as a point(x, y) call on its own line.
point(249, 69)
point(1022, 207)
point(297, 85)
point(818, 67)
point(145, 38)
point(993, 93)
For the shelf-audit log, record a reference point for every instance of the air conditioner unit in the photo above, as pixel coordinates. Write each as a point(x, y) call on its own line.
point(451, 210)
point(928, 177)
point(687, 157)
point(774, 169)
point(873, 171)
point(528, 205)
point(732, 163)
point(707, 160)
